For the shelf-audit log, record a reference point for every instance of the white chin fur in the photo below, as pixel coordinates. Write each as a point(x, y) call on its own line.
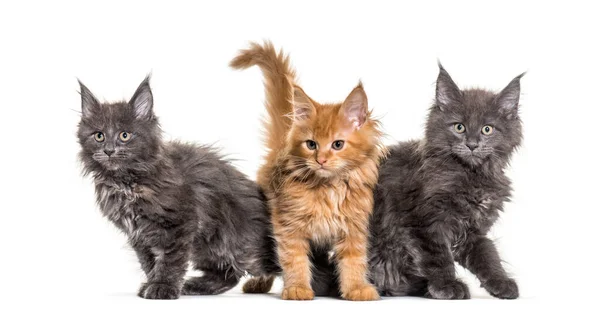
point(323, 173)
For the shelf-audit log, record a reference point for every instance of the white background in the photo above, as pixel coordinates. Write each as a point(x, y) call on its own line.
point(63, 262)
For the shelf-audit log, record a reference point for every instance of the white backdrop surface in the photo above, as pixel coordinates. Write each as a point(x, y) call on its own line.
point(62, 262)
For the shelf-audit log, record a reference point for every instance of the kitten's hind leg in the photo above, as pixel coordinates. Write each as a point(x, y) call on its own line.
point(261, 284)
point(211, 283)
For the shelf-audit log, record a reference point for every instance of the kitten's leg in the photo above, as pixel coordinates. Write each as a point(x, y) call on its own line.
point(437, 265)
point(211, 282)
point(166, 277)
point(146, 259)
point(293, 256)
point(481, 258)
point(261, 284)
point(351, 254)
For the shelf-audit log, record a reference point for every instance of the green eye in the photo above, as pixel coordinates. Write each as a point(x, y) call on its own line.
point(459, 128)
point(99, 137)
point(487, 130)
point(311, 144)
point(337, 145)
point(124, 136)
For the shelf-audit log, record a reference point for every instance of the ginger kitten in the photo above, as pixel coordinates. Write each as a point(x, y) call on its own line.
point(319, 176)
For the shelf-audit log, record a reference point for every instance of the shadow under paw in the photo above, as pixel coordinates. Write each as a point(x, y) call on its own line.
point(158, 291)
point(502, 288)
point(449, 290)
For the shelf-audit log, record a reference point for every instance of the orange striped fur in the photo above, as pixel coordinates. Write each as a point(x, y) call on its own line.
point(325, 204)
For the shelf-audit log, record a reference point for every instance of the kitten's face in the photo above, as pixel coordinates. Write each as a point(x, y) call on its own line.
point(118, 136)
point(474, 125)
point(329, 139)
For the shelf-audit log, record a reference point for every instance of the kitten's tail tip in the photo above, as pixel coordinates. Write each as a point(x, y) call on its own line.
point(253, 55)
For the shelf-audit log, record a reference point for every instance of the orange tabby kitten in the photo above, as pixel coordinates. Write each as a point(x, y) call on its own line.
point(319, 176)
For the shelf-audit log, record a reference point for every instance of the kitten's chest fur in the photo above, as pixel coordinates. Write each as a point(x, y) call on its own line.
point(323, 212)
point(120, 203)
point(470, 202)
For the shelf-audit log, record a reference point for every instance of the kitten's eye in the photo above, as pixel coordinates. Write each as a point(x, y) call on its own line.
point(487, 130)
point(337, 145)
point(311, 144)
point(124, 136)
point(459, 128)
point(99, 137)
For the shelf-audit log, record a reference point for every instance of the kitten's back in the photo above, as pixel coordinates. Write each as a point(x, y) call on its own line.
point(202, 164)
point(399, 183)
point(403, 161)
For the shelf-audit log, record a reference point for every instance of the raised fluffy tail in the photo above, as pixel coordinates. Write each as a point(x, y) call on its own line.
point(278, 79)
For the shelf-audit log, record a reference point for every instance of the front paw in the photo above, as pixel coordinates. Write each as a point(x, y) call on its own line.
point(448, 290)
point(502, 288)
point(364, 293)
point(297, 293)
point(158, 291)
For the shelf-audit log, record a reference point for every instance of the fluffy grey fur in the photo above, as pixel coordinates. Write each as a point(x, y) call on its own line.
point(437, 198)
point(176, 202)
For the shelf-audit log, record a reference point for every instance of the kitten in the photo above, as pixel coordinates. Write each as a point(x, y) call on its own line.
point(437, 198)
point(176, 202)
point(319, 176)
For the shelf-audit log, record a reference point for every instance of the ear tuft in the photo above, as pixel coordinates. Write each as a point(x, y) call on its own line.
point(302, 105)
point(508, 99)
point(446, 91)
point(142, 100)
point(355, 107)
point(89, 103)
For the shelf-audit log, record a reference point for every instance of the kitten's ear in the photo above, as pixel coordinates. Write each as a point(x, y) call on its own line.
point(89, 103)
point(446, 91)
point(302, 105)
point(508, 99)
point(142, 100)
point(355, 107)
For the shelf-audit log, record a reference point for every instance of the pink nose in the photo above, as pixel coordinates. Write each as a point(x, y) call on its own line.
point(321, 161)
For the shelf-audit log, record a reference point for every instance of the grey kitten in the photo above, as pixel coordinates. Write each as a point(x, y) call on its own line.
point(176, 202)
point(437, 198)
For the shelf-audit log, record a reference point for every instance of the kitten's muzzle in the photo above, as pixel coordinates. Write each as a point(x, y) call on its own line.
point(321, 161)
point(472, 146)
